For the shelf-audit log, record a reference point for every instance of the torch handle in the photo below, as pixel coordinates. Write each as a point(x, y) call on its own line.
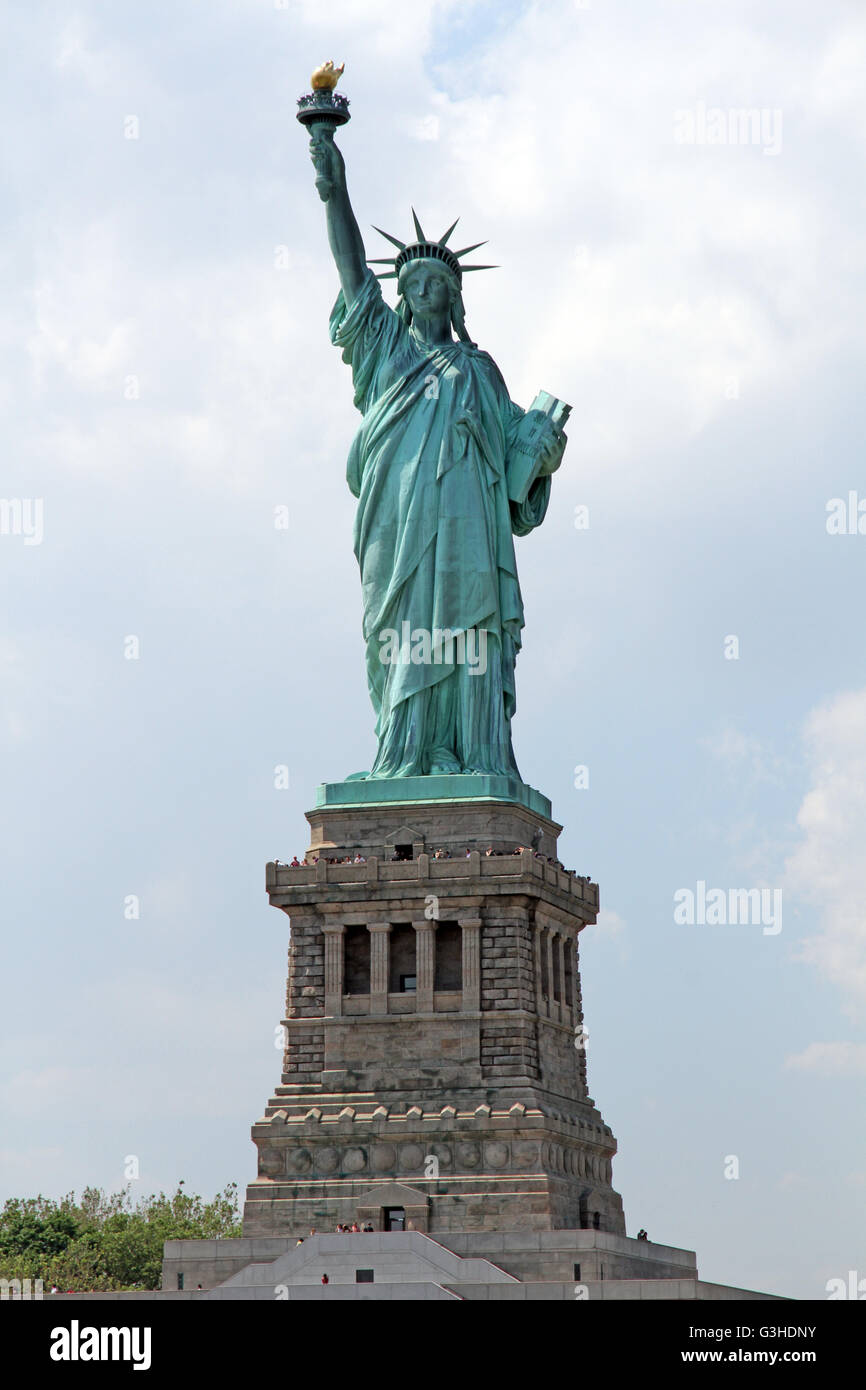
point(322, 134)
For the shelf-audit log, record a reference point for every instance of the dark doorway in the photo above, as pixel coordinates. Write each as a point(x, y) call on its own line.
point(357, 958)
point(402, 964)
point(395, 1218)
point(449, 956)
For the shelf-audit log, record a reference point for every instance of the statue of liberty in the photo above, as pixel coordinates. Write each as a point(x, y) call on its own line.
point(446, 470)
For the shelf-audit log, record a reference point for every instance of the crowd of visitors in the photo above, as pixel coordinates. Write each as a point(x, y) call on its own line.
point(309, 860)
point(342, 1229)
point(397, 857)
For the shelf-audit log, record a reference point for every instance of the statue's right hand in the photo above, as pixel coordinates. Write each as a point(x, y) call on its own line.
point(329, 165)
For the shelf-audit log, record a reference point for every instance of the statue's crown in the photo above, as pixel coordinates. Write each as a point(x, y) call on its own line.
point(423, 249)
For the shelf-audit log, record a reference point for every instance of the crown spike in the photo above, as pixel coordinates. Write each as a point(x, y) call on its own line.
point(443, 240)
point(418, 228)
point(401, 245)
point(467, 249)
point(386, 275)
point(480, 267)
point(381, 260)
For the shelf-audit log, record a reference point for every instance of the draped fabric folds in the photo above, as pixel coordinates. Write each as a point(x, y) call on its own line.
point(434, 541)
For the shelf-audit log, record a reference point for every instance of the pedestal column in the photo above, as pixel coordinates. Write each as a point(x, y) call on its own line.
point(425, 965)
point(380, 964)
point(552, 1008)
point(537, 949)
point(334, 968)
point(471, 928)
point(563, 1001)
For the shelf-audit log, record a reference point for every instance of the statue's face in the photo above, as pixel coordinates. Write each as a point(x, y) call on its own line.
point(427, 291)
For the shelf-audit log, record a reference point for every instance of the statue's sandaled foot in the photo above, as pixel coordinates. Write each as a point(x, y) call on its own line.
point(443, 763)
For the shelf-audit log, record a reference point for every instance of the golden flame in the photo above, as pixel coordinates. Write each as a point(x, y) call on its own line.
point(327, 76)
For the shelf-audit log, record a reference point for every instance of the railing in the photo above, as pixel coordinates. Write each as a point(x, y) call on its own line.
point(430, 869)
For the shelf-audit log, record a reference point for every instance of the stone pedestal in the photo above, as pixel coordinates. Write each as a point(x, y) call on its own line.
point(433, 1028)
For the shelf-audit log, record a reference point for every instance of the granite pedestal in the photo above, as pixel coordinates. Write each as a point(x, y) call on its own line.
point(433, 1024)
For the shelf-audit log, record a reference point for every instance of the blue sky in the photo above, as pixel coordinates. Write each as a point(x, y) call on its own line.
point(168, 381)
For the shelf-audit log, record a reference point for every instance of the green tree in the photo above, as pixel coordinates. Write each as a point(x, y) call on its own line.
point(104, 1241)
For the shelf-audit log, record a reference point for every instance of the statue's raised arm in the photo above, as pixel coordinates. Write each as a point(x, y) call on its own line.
point(344, 236)
point(323, 112)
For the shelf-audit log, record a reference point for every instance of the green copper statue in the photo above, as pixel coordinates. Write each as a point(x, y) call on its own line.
point(446, 470)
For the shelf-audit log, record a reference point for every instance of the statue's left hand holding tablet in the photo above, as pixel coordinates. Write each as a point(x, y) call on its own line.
point(552, 451)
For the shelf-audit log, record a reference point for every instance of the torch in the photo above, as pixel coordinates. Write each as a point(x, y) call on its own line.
point(322, 110)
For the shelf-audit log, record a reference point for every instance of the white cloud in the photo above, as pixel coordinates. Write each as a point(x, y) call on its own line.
point(397, 32)
point(28, 1092)
point(609, 930)
point(828, 868)
point(792, 1181)
point(73, 54)
point(745, 758)
point(609, 923)
point(424, 127)
point(831, 1059)
point(838, 82)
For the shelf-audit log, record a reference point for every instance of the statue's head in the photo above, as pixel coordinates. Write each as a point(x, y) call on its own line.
point(427, 289)
point(429, 276)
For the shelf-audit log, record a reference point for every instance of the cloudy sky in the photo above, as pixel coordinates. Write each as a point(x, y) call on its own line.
point(694, 285)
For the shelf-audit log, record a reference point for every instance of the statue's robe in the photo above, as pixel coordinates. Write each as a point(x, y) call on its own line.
point(434, 538)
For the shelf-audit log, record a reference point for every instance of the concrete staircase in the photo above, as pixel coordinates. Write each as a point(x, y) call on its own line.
point(407, 1262)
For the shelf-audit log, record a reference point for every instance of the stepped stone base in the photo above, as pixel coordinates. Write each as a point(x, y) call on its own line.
point(570, 1265)
point(518, 1169)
